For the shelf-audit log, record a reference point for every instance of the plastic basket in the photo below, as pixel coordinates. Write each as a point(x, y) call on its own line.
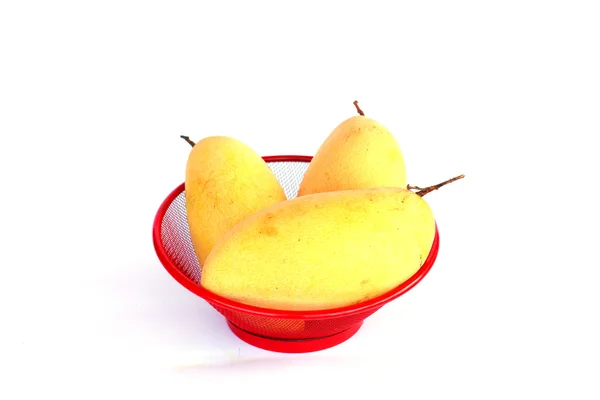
point(274, 330)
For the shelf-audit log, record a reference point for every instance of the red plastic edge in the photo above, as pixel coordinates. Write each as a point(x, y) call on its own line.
point(287, 158)
point(215, 299)
point(294, 346)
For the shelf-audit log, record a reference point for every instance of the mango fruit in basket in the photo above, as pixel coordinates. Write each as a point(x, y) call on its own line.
point(324, 250)
point(355, 231)
point(359, 153)
point(225, 182)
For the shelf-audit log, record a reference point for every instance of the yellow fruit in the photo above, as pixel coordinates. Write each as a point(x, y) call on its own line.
point(323, 250)
point(225, 181)
point(359, 153)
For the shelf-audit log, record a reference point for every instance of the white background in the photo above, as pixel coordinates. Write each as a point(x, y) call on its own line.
point(94, 96)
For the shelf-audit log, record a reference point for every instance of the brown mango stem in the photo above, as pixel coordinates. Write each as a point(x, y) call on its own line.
point(358, 108)
point(423, 191)
point(187, 139)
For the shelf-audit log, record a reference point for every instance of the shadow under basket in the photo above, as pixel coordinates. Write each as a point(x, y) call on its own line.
point(274, 330)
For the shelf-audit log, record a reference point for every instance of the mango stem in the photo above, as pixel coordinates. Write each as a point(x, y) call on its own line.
point(187, 139)
point(358, 108)
point(423, 191)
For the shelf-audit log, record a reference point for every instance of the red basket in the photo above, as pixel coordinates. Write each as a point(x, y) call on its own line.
point(275, 330)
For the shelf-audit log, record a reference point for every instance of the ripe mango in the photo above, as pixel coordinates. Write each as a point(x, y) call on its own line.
point(225, 181)
point(359, 153)
point(323, 250)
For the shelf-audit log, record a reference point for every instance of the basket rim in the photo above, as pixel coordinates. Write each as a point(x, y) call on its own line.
point(232, 305)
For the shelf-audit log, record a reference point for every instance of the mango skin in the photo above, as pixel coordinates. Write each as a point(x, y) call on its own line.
point(324, 250)
point(225, 181)
point(359, 153)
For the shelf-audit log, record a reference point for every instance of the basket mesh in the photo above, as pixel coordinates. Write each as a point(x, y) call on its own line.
point(176, 241)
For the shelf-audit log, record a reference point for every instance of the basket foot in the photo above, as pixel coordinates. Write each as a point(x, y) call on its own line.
point(294, 346)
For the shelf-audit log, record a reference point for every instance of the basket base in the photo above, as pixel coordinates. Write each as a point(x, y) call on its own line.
point(294, 346)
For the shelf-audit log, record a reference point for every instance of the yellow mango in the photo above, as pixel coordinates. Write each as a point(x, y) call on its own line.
point(225, 181)
point(323, 250)
point(359, 153)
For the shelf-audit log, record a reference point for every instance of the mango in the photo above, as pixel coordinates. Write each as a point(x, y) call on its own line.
point(225, 181)
point(324, 250)
point(359, 153)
